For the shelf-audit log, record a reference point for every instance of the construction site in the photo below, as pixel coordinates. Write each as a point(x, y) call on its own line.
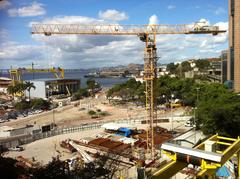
point(149, 147)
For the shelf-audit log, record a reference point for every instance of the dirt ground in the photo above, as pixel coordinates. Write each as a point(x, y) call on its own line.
point(74, 115)
point(43, 150)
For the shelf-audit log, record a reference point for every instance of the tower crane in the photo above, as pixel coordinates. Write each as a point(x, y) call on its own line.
point(147, 34)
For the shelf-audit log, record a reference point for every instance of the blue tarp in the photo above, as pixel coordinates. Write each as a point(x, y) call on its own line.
point(124, 131)
point(223, 172)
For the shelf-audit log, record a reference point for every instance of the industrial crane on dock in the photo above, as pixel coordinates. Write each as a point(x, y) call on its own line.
point(16, 74)
point(147, 34)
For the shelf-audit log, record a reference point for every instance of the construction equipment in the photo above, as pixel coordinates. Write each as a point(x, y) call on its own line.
point(16, 74)
point(86, 157)
point(210, 159)
point(147, 34)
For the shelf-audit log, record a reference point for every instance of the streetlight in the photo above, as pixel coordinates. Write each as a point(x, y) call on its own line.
point(171, 106)
point(196, 104)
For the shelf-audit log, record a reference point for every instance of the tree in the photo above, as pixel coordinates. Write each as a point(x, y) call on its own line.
point(54, 169)
point(29, 86)
point(17, 88)
point(186, 66)
point(12, 90)
point(202, 64)
point(22, 105)
point(91, 112)
point(172, 68)
point(92, 84)
point(83, 92)
point(40, 104)
point(10, 169)
point(218, 110)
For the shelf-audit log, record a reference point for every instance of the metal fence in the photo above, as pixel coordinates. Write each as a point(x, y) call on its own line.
point(15, 141)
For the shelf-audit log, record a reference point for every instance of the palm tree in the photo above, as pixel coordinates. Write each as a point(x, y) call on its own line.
point(12, 89)
point(29, 86)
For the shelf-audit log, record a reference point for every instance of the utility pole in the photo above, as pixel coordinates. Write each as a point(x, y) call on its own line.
point(196, 104)
point(172, 95)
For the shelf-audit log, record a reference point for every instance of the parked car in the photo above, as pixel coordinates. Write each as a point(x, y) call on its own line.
point(17, 148)
point(190, 123)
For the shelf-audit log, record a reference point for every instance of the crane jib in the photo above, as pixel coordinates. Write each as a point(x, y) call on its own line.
point(50, 29)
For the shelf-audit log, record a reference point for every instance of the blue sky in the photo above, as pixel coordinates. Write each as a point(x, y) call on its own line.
point(18, 48)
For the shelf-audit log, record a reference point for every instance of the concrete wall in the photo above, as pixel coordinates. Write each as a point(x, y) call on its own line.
point(40, 91)
point(21, 131)
point(4, 134)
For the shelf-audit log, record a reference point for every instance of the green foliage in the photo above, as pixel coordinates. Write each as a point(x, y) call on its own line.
point(40, 104)
point(20, 88)
point(172, 68)
point(92, 84)
point(128, 91)
point(11, 89)
point(22, 105)
point(218, 109)
point(17, 88)
point(55, 169)
point(104, 113)
point(202, 64)
point(60, 169)
point(91, 112)
point(9, 169)
point(185, 66)
point(34, 104)
point(83, 92)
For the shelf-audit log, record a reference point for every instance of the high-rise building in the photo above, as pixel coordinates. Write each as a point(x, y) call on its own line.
point(233, 62)
point(224, 66)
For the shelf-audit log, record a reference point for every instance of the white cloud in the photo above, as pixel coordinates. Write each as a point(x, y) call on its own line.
point(222, 25)
point(35, 9)
point(4, 4)
point(15, 54)
point(73, 51)
point(170, 7)
point(204, 21)
point(220, 11)
point(71, 20)
point(4, 34)
point(153, 19)
point(112, 14)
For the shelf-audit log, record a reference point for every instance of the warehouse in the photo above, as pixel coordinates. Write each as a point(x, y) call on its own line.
point(49, 87)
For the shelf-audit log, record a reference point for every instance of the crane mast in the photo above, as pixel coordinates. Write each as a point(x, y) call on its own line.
point(147, 34)
point(150, 76)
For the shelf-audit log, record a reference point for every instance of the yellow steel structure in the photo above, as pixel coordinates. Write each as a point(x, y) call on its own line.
point(16, 74)
point(208, 168)
point(147, 34)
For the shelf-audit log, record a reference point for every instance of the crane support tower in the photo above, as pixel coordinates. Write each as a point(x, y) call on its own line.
point(147, 34)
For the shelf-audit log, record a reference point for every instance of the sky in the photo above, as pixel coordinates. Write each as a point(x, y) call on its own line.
point(18, 48)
